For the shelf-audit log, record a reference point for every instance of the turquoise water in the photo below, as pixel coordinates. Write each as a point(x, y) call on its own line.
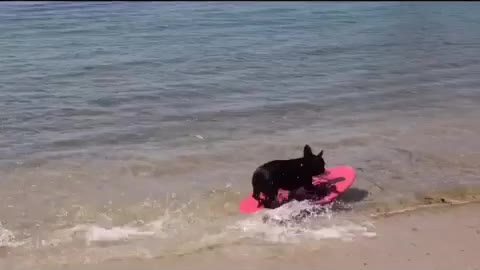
point(108, 106)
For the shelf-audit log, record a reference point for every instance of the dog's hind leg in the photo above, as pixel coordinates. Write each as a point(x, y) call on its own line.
point(262, 184)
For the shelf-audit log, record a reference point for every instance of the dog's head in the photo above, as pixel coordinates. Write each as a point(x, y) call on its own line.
point(313, 162)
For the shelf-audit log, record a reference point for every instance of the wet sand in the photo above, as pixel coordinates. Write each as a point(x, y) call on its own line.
point(435, 238)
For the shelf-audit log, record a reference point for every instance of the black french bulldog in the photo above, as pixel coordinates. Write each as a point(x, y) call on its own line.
point(294, 175)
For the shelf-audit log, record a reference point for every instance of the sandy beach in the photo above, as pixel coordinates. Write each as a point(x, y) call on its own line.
point(434, 238)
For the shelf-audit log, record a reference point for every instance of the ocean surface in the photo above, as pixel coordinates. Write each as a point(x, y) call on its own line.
point(130, 131)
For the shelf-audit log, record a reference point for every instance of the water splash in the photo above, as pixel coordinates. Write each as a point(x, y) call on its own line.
point(8, 239)
point(283, 225)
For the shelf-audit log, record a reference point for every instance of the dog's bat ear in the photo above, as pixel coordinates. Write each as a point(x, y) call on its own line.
point(320, 154)
point(307, 151)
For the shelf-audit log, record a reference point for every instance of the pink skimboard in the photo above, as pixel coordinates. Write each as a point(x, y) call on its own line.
point(341, 176)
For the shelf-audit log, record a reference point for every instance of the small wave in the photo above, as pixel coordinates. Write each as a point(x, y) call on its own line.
point(279, 228)
point(8, 239)
point(91, 234)
point(99, 234)
point(188, 230)
point(280, 225)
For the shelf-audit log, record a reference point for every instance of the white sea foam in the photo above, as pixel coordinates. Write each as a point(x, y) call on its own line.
point(99, 234)
point(8, 239)
point(281, 228)
point(95, 233)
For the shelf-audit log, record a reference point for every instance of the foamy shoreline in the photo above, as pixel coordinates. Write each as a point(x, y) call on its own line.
point(428, 238)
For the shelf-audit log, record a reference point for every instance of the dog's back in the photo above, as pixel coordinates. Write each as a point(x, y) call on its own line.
point(287, 174)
